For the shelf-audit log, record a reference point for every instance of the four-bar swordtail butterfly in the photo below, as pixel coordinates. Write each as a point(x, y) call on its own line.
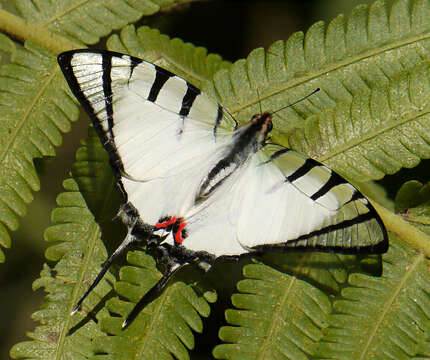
point(196, 186)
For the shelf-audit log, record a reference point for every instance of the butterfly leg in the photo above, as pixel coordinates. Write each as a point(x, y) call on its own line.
point(173, 266)
point(128, 241)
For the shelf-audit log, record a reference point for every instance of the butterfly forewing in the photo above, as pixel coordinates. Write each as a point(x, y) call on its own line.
point(160, 131)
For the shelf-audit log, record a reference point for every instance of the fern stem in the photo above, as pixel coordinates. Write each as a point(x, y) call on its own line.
point(22, 30)
point(403, 230)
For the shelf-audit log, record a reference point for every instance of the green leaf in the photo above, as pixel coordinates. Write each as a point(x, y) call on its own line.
point(36, 108)
point(380, 316)
point(184, 59)
point(327, 271)
point(376, 133)
point(411, 194)
point(277, 317)
point(163, 329)
point(85, 22)
point(7, 45)
point(78, 253)
point(413, 200)
point(349, 56)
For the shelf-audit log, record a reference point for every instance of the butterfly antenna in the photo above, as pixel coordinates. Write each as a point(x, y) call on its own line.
point(129, 239)
point(295, 102)
point(152, 293)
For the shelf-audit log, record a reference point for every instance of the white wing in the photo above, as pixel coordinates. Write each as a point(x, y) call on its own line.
point(158, 129)
point(306, 206)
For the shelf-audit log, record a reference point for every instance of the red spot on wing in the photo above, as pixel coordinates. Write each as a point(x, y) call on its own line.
point(175, 224)
point(166, 223)
point(178, 234)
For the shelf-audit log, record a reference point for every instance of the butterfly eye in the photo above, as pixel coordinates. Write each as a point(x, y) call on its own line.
point(255, 117)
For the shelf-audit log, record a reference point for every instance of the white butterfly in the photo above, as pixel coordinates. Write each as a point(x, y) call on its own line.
point(196, 186)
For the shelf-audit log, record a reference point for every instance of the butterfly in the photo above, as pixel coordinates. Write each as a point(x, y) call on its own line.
point(197, 186)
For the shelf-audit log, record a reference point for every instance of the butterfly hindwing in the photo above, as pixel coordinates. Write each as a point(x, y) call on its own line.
point(324, 211)
point(263, 208)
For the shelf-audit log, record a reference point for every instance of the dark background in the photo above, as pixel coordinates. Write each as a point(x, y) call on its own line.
point(227, 27)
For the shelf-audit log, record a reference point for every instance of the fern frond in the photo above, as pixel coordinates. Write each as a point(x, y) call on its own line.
point(277, 317)
point(85, 22)
point(184, 59)
point(327, 271)
point(413, 201)
point(383, 317)
point(374, 316)
point(376, 133)
point(78, 253)
point(411, 194)
point(162, 330)
point(35, 108)
point(349, 56)
point(7, 45)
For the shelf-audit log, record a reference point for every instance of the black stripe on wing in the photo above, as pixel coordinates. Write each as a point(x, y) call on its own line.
point(219, 115)
point(304, 169)
point(302, 243)
point(106, 137)
point(334, 180)
point(188, 100)
point(107, 89)
point(161, 77)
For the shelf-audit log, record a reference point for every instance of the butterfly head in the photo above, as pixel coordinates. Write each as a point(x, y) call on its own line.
point(262, 122)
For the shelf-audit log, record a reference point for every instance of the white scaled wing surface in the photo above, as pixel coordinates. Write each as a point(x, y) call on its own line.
point(158, 129)
point(306, 205)
point(263, 208)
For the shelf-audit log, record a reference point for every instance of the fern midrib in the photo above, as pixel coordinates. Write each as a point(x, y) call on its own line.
point(154, 318)
point(28, 111)
point(94, 234)
point(373, 134)
point(275, 323)
point(420, 257)
point(328, 69)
